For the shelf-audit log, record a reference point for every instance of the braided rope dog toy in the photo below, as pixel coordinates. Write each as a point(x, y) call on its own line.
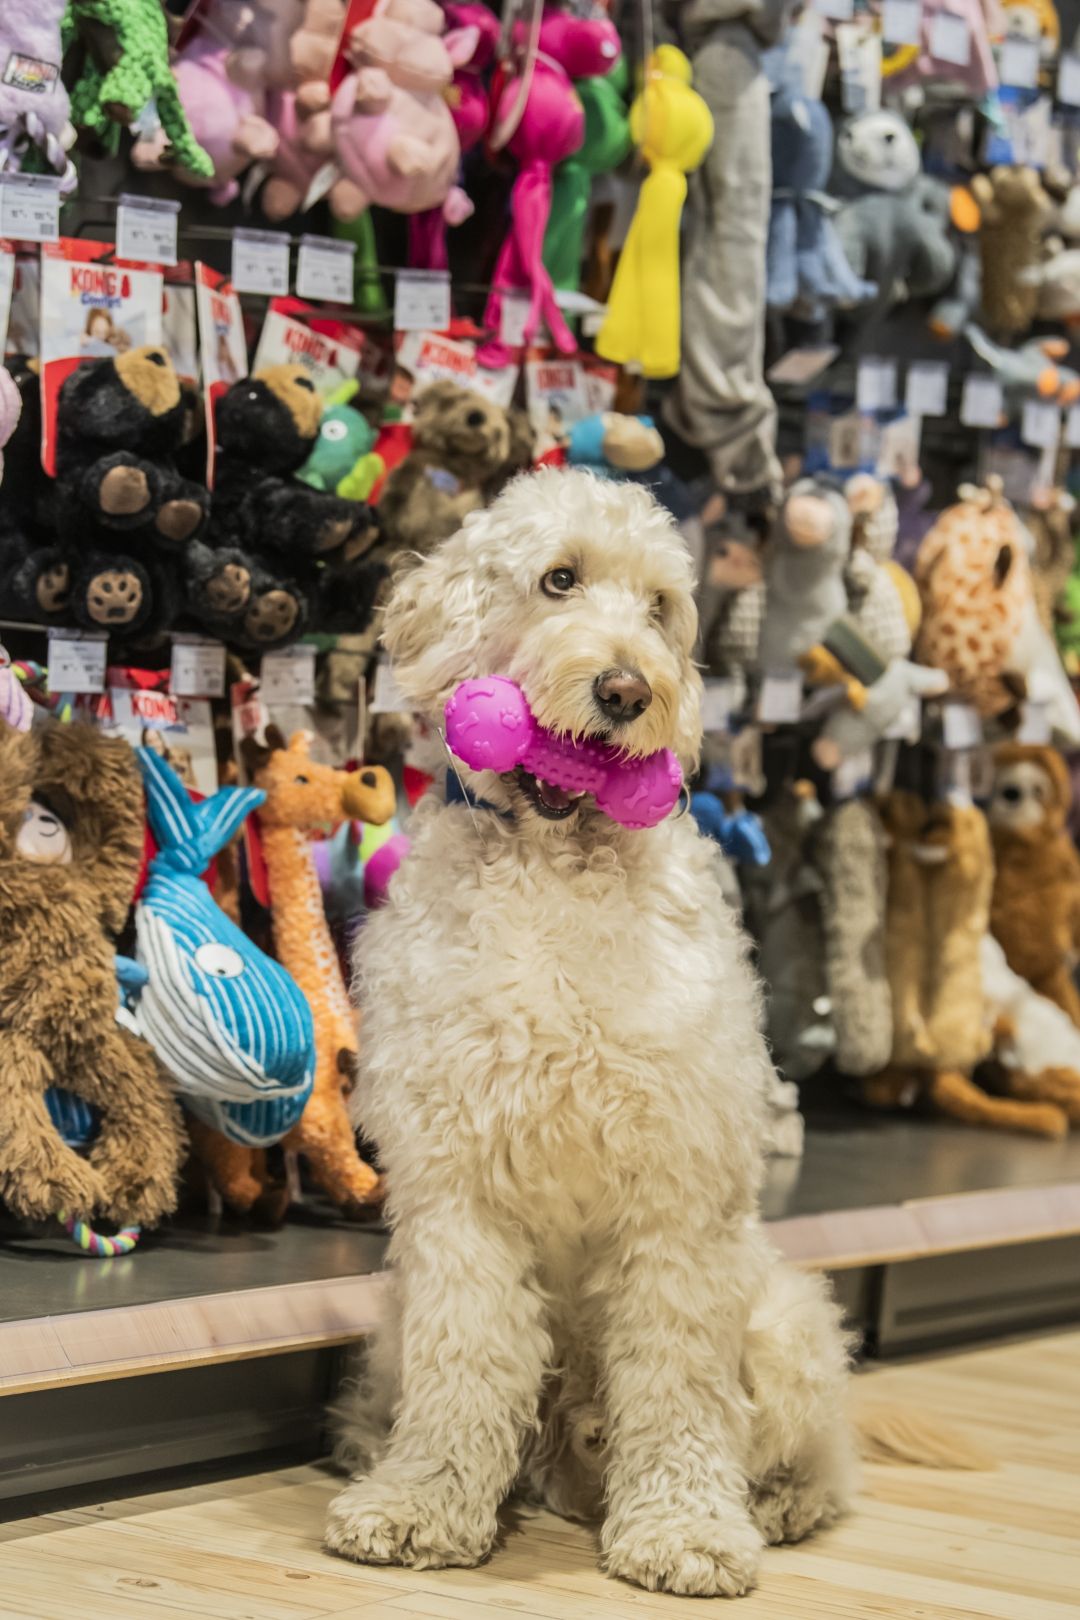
point(96, 1244)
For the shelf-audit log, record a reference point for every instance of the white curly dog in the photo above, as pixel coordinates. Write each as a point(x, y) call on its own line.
point(563, 1067)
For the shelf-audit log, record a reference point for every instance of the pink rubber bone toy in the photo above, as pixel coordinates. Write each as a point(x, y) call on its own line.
point(490, 727)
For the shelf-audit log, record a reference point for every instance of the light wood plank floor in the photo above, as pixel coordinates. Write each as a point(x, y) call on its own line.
point(922, 1546)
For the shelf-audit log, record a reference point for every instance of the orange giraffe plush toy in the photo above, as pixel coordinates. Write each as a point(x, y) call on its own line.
point(302, 797)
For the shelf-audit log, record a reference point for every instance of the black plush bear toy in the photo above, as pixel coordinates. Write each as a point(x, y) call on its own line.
point(282, 557)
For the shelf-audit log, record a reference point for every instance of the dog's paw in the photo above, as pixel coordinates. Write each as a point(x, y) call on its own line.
point(423, 1528)
point(711, 1558)
point(785, 1510)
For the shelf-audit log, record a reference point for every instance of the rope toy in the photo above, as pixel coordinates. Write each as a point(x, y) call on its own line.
point(97, 1244)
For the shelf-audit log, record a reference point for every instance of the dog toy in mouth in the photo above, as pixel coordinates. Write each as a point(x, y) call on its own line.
point(490, 726)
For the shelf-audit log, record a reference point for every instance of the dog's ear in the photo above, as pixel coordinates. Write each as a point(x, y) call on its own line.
point(682, 627)
point(433, 625)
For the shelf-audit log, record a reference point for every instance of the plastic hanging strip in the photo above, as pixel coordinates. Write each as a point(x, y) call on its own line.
point(503, 130)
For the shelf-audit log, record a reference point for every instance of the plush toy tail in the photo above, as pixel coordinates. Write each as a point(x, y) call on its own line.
point(189, 835)
point(643, 321)
point(900, 1434)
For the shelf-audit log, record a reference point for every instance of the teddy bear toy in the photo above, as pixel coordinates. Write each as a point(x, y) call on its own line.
point(33, 100)
point(71, 839)
point(1015, 212)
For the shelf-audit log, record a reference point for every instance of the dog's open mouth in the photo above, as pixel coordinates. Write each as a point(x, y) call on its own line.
point(549, 801)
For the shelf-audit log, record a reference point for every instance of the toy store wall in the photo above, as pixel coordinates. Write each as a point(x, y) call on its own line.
point(288, 289)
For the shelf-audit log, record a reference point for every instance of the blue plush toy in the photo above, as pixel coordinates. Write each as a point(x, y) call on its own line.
point(738, 832)
point(228, 1023)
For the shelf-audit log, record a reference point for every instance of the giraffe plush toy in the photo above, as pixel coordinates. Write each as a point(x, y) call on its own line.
point(304, 797)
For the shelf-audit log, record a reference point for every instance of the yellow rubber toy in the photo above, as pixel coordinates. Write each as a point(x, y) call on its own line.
point(673, 127)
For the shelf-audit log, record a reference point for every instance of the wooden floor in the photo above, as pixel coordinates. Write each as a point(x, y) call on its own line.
point(921, 1546)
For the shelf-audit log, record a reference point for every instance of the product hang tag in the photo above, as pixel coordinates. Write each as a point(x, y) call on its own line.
point(1040, 424)
point(927, 389)
point(1018, 63)
point(260, 262)
point(961, 726)
point(950, 39)
point(717, 704)
point(1072, 427)
point(287, 677)
point(421, 301)
point(853, 775)
point(859, 52)
point(387, 696)
point(1034, 723)
point(900, 22)
point(77, 660)
point(875, 384)
point(30, 207)
point(907, 727)
point(802, 365)
point(780, 699)
point(836, 10)
point(845, 441)
point(324, 269)
point(1068, 84)
point(515, 312)
point(982, 402)
point(198, 667)
point(146, 229)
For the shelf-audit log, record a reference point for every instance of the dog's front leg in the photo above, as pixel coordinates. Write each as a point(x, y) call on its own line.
point(474, 1347)
point(677, 1417)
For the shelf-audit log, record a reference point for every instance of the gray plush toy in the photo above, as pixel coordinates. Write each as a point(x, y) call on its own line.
point(804, 572)
point(849, 853)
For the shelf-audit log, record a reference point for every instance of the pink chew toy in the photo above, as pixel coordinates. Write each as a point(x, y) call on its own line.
point(490, 726)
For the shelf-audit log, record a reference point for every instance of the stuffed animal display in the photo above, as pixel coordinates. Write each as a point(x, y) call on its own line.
point(33, 100)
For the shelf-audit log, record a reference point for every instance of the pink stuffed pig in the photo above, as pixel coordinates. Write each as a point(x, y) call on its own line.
point(33, 101)
point(300, 162)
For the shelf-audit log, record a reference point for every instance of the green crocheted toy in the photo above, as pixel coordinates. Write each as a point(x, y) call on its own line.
point(120, 54)
point(607, 143)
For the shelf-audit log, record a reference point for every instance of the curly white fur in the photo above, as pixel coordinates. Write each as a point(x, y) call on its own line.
point(563, 1067)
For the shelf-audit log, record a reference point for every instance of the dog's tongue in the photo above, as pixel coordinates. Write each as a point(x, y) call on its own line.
point(556, 798)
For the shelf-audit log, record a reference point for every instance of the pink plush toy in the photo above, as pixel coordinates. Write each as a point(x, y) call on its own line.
point(550, 129)
point(394, 136)
point(490, 726)
point(33, 101)
point(299, 160)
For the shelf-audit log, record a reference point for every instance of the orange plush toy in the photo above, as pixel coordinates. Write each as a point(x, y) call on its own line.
point(1035, 912)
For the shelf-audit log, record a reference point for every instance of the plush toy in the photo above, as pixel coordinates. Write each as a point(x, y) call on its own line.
point(229, 1025)
point(1035, 913)
point(342, 462)
point(33, 100)
point(848, 849)
point(461, 441)
point(848, 732)
point(70, 846)
point(1049, 520)
point(10, 411)
point(673, 128)
point(1015, 212)
point(303, 796)
point(303, 167)
point(910, 66)
point(539, 106)
point(118, 52)
point(728, 822)
point(606, 144)
point(615, 445)
point(1031, 370)
point(1038, 1044)
point(807, 272)
point(804, 573)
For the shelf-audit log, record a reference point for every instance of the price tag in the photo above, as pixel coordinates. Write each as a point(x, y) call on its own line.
point(844, 441)
point(950, 39)
point(30, 207)
point(1072, 427)
point(875, 384)
point(836, 10)
point(198, 668)
point(1040, 424)
point(324, 269)
point(780, 700)
point(515, 312)
point(927, 390)
point(77, 660)
point(1068, 85)
point(961, 726)
point(900, 22)
point(421, 301)
point(260, 262)
point(146, 229)
point(907, 727)
point(1034, 723)
point(387, 697)
point(288, 677)
point(853, 775)
point(802, 365)
point(717, 704)
point(1018, 63)
point(982, 401)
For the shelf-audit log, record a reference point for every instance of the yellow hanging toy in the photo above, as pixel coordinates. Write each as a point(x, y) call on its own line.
point(673, 126)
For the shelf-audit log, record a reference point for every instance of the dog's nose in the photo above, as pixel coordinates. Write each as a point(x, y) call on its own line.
point(623, 694)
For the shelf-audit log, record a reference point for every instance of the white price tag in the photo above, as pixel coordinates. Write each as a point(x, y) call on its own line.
point(717, 704)
point(146, 229)
point(900, 21)
point(515, 312)
point(1040, 424)
point(845, 441)
point(387, 697)
point(907, 727)
point(982, 401)
point(780, 700)
point(1034, 723)
point(950, 39)
point(77, 660)
point(1068, 85)
point(287, 677)
point(853, 775)
point(198, 668)
point(1018, 63)
point(1072, 427)
point(927, 390)
point(324, 269)
point(260, 262)
point(421, 301)
point(30, 207)
point(961, 726)
point(875, 384)
point(836, 10)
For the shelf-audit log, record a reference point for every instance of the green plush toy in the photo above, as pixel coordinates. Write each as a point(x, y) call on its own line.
point(607, 143)
point(368, 295)
point(1067, 626)
point(117, 63)
point(342, 462)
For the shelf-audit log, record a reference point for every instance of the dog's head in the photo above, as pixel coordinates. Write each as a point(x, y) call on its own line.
point(580, 590)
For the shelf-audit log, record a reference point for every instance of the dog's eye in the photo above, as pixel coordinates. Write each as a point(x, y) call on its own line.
point(657, 606)
point(559, 582)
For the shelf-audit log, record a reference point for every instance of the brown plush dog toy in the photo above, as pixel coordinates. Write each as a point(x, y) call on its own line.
point(71, 830)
